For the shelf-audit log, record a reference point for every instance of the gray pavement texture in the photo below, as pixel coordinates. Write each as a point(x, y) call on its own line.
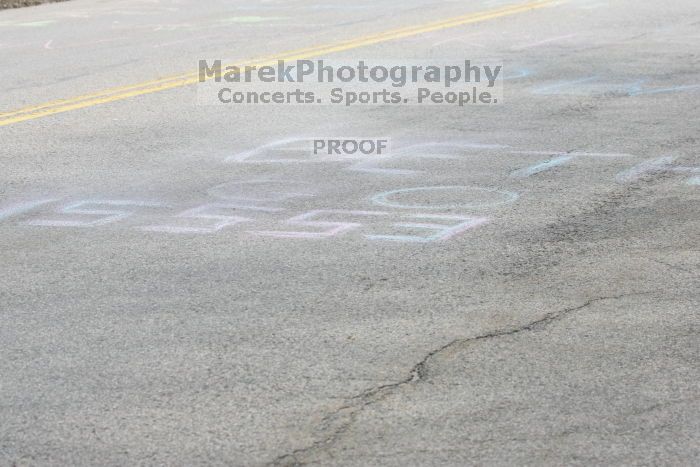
point(562, 330)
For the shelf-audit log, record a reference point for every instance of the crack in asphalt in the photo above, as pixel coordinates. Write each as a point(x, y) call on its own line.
point(340, 420)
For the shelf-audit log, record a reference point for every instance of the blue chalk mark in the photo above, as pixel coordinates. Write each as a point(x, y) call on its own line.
point(552, 88)
point(644, 168)
point(694, 181)
point(665, 90)
point(521, 73)
point(22, 208)
point(541, 166)
point(635, 88)
point(383, 198)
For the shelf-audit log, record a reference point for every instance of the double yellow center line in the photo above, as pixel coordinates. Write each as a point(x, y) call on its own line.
point(148, 87)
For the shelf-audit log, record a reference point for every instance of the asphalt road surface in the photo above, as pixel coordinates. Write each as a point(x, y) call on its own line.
point(189, 284)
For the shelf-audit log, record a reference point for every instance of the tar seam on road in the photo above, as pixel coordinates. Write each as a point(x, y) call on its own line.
point(148, 87)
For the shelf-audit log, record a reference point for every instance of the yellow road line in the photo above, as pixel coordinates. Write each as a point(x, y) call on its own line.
point(148, 87)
